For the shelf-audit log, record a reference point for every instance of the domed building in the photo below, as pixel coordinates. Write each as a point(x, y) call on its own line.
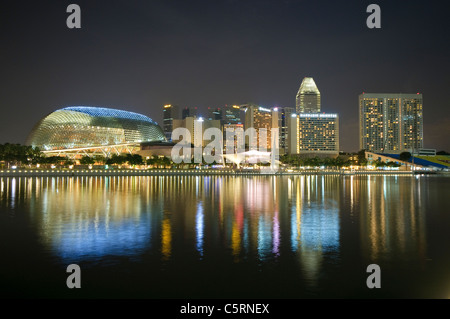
point(93, 127)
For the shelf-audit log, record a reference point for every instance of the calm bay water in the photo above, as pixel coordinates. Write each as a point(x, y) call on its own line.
point(306, 236)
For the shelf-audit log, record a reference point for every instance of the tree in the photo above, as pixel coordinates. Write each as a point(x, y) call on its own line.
point(405, 156)
point(116, 159)
point(86, 160)
point(99, 159)
point(69, 162)
point(134, 159)
point(362, 161)
point(19, 154)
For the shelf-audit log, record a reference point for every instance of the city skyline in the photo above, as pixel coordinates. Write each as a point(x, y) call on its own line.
point(139, 57)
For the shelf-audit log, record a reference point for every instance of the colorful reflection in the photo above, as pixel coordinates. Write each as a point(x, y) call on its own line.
point(259, 217)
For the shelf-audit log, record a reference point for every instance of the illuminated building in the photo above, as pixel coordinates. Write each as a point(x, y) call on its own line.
point(314, 134)
point(308, 97)
point(170, 113)
point(215, 113)
point(284, 115)
point(85, 128)
point(390, 123)
point(231, 115)
point(236, 131)
point(258, 117)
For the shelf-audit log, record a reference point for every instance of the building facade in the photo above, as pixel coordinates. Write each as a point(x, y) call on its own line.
point(85, 127)
point(170, 113)
point(390, 123)
point(188, 112)
point(284, 115)
point(308, 97)
point(231, 114)
point(314, 134)
point(262, 120)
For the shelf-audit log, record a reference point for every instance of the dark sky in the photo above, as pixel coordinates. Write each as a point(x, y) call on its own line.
point(140, 55)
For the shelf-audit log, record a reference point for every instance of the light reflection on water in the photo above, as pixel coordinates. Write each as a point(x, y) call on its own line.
point(259, 218)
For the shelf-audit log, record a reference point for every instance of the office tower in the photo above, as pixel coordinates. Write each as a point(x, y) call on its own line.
point(390, 123)
point(308, 97)
point(231, 114)
point(259, 118)
point(284, 114)
point(188, 112)
point(170, 112)
point(314, 134)
point(214, 113)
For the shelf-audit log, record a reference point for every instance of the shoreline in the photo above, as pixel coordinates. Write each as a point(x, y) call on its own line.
point(205, 172)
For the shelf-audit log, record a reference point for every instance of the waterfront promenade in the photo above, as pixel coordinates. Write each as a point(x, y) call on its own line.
point(198, 172)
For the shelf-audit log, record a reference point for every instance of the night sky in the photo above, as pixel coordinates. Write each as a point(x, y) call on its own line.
point(140, 55)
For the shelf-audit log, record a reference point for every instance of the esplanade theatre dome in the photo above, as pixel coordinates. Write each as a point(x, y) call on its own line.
point(85, 126)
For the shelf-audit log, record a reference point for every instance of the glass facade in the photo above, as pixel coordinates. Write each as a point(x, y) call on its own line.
point(84, 126)
point(170, 113)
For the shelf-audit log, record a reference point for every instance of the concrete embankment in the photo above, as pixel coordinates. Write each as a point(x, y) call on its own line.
point(162, 172)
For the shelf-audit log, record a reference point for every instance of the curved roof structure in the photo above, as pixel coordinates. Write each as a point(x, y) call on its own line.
point(85, 126)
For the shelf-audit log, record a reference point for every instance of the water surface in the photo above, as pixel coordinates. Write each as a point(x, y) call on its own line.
point(308, 236)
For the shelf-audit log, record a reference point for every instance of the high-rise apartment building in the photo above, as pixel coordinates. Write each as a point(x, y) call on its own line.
point(170, 113)
point(314, 134)
point(390, 123)
point(308, 97)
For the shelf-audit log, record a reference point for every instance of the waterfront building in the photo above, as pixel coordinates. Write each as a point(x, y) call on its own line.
point(308, 97)
point(391, 123)
point(314, 134)
point(284, 115)
point(170, 112)
point(87, 130)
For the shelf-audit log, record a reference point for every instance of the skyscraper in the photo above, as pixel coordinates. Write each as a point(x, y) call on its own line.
point(262, 120)
point(231, 114)
point(390, 123)
point(214, 113)
point(170, 112)
point(188, 112)
point(284, 115)
point(308, 97)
